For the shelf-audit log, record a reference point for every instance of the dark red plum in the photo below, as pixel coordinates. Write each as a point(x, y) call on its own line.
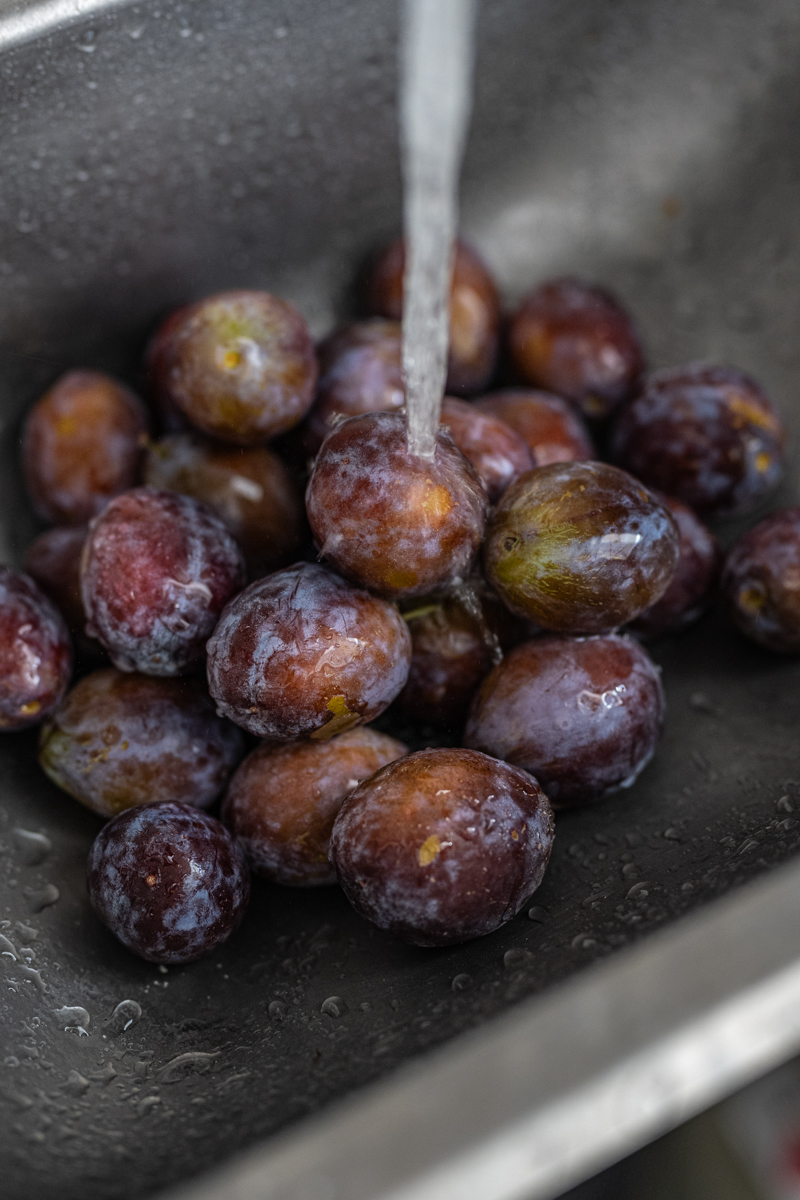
point(690, 588)
point(442, 846)
point(580, 547)
point(497, 453)
point(361, 371)
point(239, 365)
point(119, 740)
point(474, 312)
point(249, 489)
point(157, 570)
point(35, 653)
point(397, 524)
point(82, 444)
point(551, 428)
point(283, 800)
point(53, 561)
point(707, 435)
point(169, 881)
point(575, 339)
point(302, 654)
point(581, 714)
point(453, 647)
point(761, 582)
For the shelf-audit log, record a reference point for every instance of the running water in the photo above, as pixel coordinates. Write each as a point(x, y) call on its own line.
point(436, 96)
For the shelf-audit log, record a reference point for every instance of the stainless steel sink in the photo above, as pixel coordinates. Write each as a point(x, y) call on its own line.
point(155, 151)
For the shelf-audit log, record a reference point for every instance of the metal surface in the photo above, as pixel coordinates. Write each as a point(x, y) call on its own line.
point(152, 152)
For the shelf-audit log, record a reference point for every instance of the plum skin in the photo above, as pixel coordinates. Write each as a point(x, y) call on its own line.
point(283, 800)
point(452, 649)
point(248, 487)
point(301, 653)
point(583, 715)
point(575, 339)
point(238, 365)
point(360, 371)
point(707, 435)
point(474, 312)
point(391, 522)
point(580, 547)
point(156, 570)
point(53, 561)
point(689, 590)
point(119, 740)
point(169, 881)
point(496, 451)
point(443, 845)
point(759, 582)
point(35, 653)
point(82, 444)
point(552, 428)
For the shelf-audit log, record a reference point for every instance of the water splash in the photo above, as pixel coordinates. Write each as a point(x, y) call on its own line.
point(436, 90)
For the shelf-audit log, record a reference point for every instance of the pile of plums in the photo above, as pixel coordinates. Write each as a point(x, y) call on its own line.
point(235, 643)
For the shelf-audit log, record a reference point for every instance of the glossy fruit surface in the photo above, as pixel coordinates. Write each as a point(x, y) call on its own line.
point(301, 654)
point(690, 589)
point(397, 524)
point(156, 572)
point(580, 547)
point(581, 714)
point(707, 435)
point(169, 881)
point(761, 582)
point(360, 371)
point(443, 845)
point(453, 646)
point(283, 800)
point(575, 339)
point(118, 740)
point(249, 489)
point(239, 365)
point(35, 652)
point(474, 312)
point(552, 429)
point(53, 561)
point(497, 453)
point(82, 444)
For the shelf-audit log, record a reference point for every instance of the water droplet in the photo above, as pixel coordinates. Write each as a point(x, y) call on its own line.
point(182, 1064)
point(785, 804)
point(74, 1018)
point(334, 1006)
point(276, 1010)
point(582, 941)
point(461, 983)
point(748, 844)
point(630, 869)
point(638, 890)
point(32, 848)
point(127, 1013)
point(39, 898)
point(537, 914)
point(77, 1083)
point(672, 834)
point(516, 957)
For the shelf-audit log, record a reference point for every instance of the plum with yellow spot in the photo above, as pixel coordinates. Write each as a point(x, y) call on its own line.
point(389, 521)
point(580, 547)
point(303, 654)
point(35, 652)
point(761, 582)
point(238, 365)
point(443, 845)
point(707, 435)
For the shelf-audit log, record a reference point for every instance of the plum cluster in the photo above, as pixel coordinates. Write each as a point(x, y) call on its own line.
point(235, 640)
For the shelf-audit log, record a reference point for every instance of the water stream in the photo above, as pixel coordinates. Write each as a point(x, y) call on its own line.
point(435, 102)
